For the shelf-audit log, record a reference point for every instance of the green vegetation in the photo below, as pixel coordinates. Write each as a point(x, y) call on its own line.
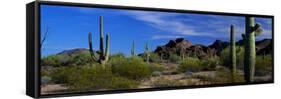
point(174, 58)
point(263, 65)
point(210, 64)
point(190, 64)
point(132, 68)
point(155, 58)
point(53, 60)
point(225, 60)
point(195, 65)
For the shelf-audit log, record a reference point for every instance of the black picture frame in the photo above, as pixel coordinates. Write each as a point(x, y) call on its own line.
point(33, 51)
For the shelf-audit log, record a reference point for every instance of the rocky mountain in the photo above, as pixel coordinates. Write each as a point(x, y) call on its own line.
point(218, 46)
point(173, 46)
point(181, 46)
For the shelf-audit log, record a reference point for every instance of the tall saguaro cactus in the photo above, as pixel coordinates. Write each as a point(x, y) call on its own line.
point(252, 29)
point(103, 54)
point(133, 49)
point(146, 53)
point(232, 53)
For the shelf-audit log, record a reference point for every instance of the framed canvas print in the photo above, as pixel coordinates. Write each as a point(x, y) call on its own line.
point(85, 49)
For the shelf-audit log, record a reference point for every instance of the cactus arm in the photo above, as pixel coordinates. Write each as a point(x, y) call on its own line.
point(257, 29)
point(243, 36)
point(107, 47)
point(232, 53)
point(93, 57)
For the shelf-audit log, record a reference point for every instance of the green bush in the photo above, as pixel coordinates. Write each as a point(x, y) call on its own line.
point(65, 60)
point(154, 58)
point(174, 58)
point(156, 67)
point(117, 58)
point(190, 64)
point(91, 77)
point(123, 83)
point(61, 75)
point(131, 68)
point(223, 76)
point(53, 60)
point(210, 64)
point(225, 58)
point(80, 59)
point(263, 65)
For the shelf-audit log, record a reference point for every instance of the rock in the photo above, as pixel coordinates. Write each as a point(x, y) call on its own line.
point(200, 51)
point(173, 47)
point(188, 74)
point(179, 40)
point(171, 43)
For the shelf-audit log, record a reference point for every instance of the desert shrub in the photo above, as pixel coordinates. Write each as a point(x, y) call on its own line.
point(80, 59)
point(174, 58)
point(263, 65)
point(154, 57)
point(225, 58)
point(61, 75)
point(156, 67)
point(117, 58)
point(122, 83)
point(223, 75)
point(65, 60)
point(52, 60)
point(190, 64)
point(91, 77)
point(131, 68)
point(210, 64)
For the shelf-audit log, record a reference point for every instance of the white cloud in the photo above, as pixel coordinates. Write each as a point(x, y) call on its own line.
point(156, 37)
point(175, 24)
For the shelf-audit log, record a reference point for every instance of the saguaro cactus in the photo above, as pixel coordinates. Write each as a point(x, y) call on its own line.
point(133, 49)
point(232, 53)
point(252, 29)
point(103, 54)
point(146, 53)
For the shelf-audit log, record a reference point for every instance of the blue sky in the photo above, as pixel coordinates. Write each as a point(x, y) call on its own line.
point(69, 28)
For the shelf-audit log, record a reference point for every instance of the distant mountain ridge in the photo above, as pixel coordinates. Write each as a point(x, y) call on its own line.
point(73, 52)
point(182, 46)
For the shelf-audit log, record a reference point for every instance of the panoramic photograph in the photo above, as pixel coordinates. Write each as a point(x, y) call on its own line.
point(86, 49)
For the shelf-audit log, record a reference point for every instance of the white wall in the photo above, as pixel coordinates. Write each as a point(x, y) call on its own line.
point(12, 49)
